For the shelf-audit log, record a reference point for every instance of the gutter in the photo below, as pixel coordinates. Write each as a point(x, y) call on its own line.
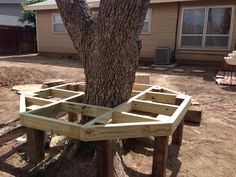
point(93, 4)
point(176, 29)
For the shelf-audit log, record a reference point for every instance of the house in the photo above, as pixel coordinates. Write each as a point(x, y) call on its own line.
point(10, 12)
point(197, 31)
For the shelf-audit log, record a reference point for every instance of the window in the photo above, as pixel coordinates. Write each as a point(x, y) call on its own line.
point(208, 27)
point(147, 22)
point(58, 26)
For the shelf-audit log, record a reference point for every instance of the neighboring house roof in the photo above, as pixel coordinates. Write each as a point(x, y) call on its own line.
point(51, 4)
point(10, 12)
point(12, 1)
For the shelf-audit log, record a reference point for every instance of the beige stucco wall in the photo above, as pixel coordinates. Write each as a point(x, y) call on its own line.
point(163, 33)
point(163, 27)
point(213, 56)
point(49, 41)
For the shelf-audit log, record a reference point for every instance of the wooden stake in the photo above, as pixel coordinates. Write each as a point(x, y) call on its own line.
point(178, 134)
point(35, 140)
point(160, 156)
point(105, 158)
point(71, 116)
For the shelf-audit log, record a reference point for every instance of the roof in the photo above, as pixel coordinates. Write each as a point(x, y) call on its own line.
point(51, 4)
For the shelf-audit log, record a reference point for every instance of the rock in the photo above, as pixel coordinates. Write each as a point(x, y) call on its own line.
point(179, 70)
point(55, 141)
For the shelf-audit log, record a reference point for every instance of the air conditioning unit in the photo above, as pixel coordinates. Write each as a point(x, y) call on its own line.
point(163, 56)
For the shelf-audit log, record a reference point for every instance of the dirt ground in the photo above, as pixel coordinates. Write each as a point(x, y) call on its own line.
point(208, 150)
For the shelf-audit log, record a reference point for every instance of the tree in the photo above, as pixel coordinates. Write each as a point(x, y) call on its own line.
point(28, 16)
point(108, 46)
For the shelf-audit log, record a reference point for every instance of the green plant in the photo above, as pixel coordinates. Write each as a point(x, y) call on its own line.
point(28, 16)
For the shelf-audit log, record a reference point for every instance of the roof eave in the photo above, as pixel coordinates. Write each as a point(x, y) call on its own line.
point(92, 4)
point(41, 7)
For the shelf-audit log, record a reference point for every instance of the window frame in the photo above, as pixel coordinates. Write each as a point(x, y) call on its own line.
point(204, 35)
point(53, 23)
point(150, 22)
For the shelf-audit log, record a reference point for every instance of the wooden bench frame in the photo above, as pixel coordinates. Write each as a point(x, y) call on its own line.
point(38, 112)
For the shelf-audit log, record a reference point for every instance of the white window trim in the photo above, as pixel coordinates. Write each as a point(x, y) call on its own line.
point(53, 31)
point(150, 22)
point(205, 28)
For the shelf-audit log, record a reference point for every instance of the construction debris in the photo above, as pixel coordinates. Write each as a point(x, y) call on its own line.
point(142, 78)
point(53, 82)
point(25, 88)
point(225, 78)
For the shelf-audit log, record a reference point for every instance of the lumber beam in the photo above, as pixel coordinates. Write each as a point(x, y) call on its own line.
point(160, 156)
point(126, 117)
point(178, 134)
point(42, 123)
point(62, 93)
point(179, 114)
point(105, 158)
point(134, 93)
point(141, 87)
point(45, 93)
point(194, 114)
point(37, 101)
point(160, 97)
point(125, 130)
point(22, 104)
point(49, 110)
point(35, 139)
point(83, 109)
point(126, 106)
point(72, 117)
point(81, 86)
point(153, 107)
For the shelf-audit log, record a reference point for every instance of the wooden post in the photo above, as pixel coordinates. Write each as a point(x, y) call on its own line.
point(178, 134)
point(35, 140)
point(160, 156)
point(105, 158)
point(142, 78)
point(73, 87)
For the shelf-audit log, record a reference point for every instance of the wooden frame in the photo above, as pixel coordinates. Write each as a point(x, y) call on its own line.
point(162, 117)
point(152, 111)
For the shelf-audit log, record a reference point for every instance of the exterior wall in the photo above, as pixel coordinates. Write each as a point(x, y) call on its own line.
point(211, 56)
point(10, 9)
point(164, 18)
point(163, 27)
point(10, 14)
point(49, 41)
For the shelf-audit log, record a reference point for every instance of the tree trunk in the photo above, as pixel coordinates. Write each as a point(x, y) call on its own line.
point(108, 46)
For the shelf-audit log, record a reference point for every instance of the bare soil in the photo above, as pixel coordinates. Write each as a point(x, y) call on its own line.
point(208, 150)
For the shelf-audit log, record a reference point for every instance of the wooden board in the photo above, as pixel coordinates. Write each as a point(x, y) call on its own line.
point(108, 124)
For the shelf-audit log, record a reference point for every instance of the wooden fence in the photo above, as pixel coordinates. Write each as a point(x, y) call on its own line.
point(17, 40)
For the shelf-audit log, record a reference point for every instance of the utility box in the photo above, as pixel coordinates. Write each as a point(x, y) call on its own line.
point(163, 56)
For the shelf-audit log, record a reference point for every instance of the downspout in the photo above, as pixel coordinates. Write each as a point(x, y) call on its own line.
point(176, 30)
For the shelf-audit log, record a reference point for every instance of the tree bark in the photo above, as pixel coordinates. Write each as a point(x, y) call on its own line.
point(108, 46)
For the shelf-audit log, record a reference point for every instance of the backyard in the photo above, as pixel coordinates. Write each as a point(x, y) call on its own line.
point(208, 149)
